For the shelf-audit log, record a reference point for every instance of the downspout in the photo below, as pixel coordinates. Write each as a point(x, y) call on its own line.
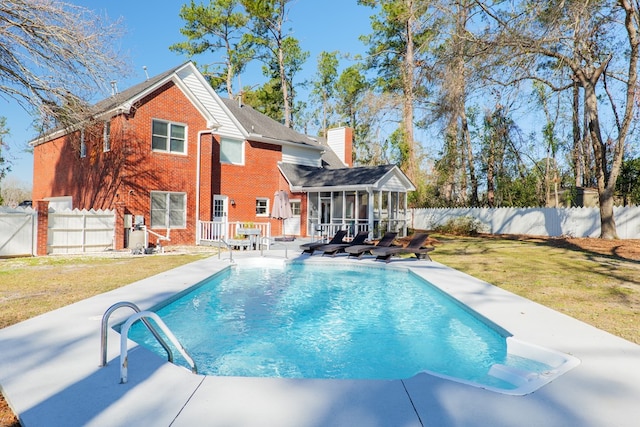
point(200, 134)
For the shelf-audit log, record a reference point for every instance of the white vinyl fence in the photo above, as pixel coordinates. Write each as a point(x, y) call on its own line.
point(17, 231)
point(69, 231)
point(551, 222)
point(80, 231)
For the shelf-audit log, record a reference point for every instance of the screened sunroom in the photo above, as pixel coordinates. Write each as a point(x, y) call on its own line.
point(368, 198)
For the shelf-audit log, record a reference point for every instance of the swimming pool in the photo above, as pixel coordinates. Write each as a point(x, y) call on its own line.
point(308, 321)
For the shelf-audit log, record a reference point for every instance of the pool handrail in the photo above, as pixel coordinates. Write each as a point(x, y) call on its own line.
point(271, 242)
point(105, 324)
point(228, 247)
point(124, 332)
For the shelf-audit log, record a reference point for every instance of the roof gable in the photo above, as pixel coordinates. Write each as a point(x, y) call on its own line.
point(123, 102)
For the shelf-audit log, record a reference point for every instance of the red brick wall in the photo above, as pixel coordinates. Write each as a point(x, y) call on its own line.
point(128, 172)
point(348, 146)
point(42, 207)
point(258, 177)
point(125, 176)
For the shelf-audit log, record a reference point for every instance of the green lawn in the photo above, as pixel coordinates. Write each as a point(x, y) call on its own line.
point(601, 290)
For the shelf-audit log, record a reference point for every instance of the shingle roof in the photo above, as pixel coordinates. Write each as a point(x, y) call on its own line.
point(257, 123)
point(308, 176)
point(121, 97)
point(112, 102)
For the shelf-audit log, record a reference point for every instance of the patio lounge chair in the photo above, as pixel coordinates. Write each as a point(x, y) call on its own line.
point(414, 247)
point(310, 247)
point(359, 250)
point(335, 248)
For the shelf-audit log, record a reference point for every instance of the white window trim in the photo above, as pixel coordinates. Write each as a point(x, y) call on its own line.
point(242, 144)
point(266, 213)
point(168, 150)
point(291, 201)
point(106, 136)
point(168, 210)
point(83, 145)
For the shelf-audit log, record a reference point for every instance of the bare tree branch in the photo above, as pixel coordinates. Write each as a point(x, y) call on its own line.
point(54, 56)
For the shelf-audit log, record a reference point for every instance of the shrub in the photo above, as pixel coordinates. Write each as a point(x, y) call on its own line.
point(462, 226)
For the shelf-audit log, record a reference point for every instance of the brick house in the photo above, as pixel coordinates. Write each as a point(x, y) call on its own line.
point(171, 154)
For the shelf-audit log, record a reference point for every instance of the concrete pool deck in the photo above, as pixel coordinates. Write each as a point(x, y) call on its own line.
point(50, 376)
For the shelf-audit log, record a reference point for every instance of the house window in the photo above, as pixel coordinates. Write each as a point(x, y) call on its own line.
point(106, 137)
point(168, 210)
point(218, 208)
point(262, 206)
point(295, 207)
point(168, 137)
point(83, 145)
point(231, 151)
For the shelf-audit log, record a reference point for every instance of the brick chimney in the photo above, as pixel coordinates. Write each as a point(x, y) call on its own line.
point(340, 140)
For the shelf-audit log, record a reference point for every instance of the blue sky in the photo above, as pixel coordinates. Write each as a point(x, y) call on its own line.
point(152, 26)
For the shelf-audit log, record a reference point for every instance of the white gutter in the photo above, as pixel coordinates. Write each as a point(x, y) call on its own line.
point(364, 187)
point(259, 138)
point(124, 108)
point(200, 134)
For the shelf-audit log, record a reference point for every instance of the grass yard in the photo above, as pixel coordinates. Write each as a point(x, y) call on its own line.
point(592, 280)
point(32, 286)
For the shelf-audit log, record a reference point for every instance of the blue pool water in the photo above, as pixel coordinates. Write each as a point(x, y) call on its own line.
point(311, 321)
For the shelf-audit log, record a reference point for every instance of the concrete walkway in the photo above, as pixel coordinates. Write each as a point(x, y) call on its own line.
point(50, 376)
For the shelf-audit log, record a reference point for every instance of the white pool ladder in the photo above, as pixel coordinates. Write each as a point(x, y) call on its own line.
point(124, 332)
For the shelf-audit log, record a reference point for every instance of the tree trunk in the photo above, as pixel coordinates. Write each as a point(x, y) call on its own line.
point(474, 201)
point(449, 163)
point(578, 171)
point(491, 193)
point(408, 98)
point(605, 193)
point(285, 88)
point(607, 220)
point(547, 180)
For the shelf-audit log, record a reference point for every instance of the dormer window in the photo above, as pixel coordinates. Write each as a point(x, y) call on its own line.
point(168, 137)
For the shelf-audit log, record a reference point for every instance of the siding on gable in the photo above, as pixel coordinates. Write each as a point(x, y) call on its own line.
point(392, 182)
point(227, 127)
point(195, 87)
point(300, 156)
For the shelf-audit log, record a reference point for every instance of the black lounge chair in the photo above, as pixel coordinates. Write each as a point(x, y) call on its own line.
point(359, 250)
point(414, 247)
point(310, 247)
point(336, 248)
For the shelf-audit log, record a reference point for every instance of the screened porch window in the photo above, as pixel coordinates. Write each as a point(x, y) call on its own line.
point(377, 211)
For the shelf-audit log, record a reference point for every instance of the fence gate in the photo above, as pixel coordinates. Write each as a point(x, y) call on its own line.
point(17, 232)
point(80, 231)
